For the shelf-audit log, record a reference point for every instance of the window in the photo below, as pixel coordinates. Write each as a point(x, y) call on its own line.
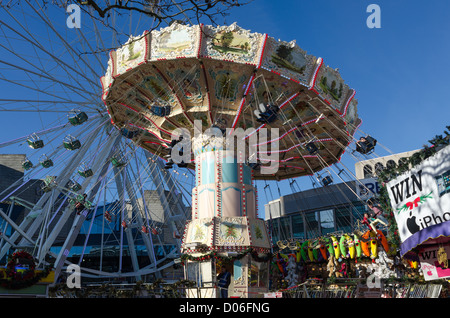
point(298, 230)
point(403, 161)
point(275, 232)
point(326, 222)
point(258, 274)
point(390, 164)
point(344, 219)
point(312, 224)
point(378, 167)
point(367, 170)
point(358, 211)
point(200, 272)
point(285, 228)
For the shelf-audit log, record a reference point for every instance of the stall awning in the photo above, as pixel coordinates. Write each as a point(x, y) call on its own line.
point(427, 235)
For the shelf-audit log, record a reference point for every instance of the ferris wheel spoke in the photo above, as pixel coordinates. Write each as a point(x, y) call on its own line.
point(160, 190)
point(45, 202)
point(41, 71)
point(141, 216)
point(76, 90)
point(34, 89)
point(102, 168)
point(125, 187)
point(70, 71)
point(67, 45)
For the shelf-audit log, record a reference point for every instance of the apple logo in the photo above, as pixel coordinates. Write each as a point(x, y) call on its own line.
point(411, 224)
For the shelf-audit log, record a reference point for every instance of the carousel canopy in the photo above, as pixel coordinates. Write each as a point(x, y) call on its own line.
point(229, 77)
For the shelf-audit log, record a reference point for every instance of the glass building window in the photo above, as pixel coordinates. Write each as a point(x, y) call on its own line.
point(358, 211)
point(344, 219)
point(298, 229)
point(312, 224)
point(326, 222)
point(285, 228)
point(274, 228)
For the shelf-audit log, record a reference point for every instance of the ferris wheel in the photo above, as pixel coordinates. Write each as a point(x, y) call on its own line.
point(87, 191)
point(94, 167)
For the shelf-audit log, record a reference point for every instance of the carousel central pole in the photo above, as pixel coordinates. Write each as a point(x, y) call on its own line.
point(224, 228)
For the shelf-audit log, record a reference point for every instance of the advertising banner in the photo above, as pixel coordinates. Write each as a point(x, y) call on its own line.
point(434, 261)
point(420, 199)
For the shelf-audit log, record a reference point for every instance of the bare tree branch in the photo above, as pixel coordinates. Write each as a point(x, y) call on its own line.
point(161, 11)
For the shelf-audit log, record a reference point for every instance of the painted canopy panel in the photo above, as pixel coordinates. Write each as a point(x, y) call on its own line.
point(167, 79)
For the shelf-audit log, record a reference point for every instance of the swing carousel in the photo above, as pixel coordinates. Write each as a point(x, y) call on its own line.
point(182, 80)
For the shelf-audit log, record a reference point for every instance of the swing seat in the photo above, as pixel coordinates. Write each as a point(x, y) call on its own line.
point(47, 163)
point(35, 144)
point(312, 148)
point(27, 164)
point(116, 162)
point(254, 165)
point(326, 181)
point(78, 119)
point(130, 134)
point(169, 164)
point(267, 113)
point(72, 145)
point(366, 147)
point(161, 111)
point(86, 173)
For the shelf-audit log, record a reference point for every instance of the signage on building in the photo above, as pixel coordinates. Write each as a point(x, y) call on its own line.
point(434, 261)
point(420, 198)
point(367, 188)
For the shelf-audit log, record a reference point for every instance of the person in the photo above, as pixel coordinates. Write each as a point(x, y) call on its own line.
point(361, 145)
point(371, 222)
point(224, 279)
point(376, 209)
point(79, 206)
point(266, 113)
point(365, 144)
point(366, 220)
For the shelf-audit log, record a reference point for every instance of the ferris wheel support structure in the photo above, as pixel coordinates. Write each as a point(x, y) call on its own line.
point(104, 164)
point(33, 220)
point(161, 194)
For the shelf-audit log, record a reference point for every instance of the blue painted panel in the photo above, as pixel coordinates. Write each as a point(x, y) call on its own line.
point(229, 172)
point(247, 172)
point(208, 171)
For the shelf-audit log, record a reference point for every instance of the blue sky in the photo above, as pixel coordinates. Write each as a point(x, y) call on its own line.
point(400, 72)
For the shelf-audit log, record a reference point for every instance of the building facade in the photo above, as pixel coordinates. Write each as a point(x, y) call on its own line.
point(370, 168)
point(336, 207)
point(314, 212)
